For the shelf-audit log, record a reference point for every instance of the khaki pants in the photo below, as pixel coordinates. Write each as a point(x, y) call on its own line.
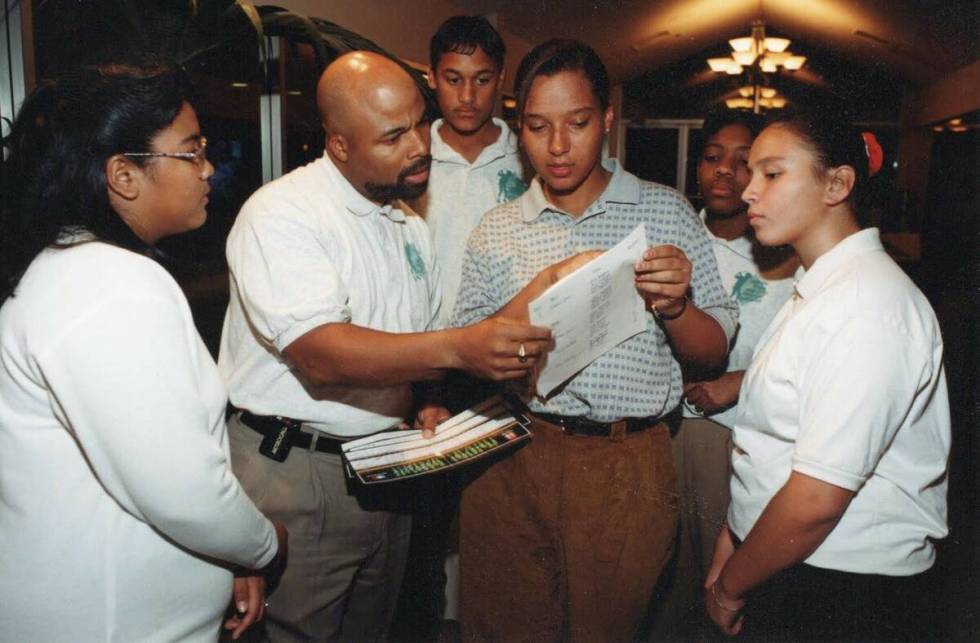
point(347, 543)
point(703, 457)
point(563, 539)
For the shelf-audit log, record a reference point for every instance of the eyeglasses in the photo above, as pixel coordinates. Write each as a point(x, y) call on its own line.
point(198, 156)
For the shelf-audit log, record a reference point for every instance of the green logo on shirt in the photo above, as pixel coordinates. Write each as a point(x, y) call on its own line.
point(509, 186)
point(748, 288)
point(415, 260)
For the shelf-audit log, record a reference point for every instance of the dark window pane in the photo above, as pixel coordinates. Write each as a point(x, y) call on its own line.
point(302, 132)
point(651, 154)
point(695, 140)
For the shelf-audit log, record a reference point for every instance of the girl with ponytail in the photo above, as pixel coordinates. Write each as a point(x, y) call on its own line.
point(842, 433)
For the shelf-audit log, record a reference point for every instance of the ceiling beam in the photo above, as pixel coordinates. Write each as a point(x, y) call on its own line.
point(954, 95)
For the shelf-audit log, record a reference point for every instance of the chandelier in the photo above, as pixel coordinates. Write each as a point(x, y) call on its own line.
point(755, 56)
point(758, 50)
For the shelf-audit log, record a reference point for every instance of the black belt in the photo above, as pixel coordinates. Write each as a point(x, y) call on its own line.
point(270, 425)
point(583, 426)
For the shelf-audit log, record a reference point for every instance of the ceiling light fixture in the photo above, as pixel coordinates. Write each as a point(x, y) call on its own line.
point(768, 52)
point(755, 56)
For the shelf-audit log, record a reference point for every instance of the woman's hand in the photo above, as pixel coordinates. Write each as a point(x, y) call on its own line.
point(725, 611)
point(711, 396)
point(248, 597)
point(724, 548)
point(516, 309)
point(564, 268)
point(663, 276)
point(248, 588)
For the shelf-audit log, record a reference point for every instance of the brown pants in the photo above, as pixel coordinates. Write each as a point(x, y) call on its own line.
point(563, 540)
point(703, 457)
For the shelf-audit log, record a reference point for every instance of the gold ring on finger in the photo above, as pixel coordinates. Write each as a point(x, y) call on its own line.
point(521, 353)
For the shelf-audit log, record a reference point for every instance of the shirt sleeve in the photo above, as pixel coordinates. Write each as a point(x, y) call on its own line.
point(286, 281)
point(124, 379)
point(858, 381)
point(476, 299)
point(707, 291)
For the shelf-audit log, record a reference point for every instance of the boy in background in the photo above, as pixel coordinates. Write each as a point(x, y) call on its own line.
point(475, 159)
point(475, 166)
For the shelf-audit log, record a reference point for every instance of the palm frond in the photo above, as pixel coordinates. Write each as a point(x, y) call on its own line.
point(293, 26)
point(186, 31)
point(253, 16)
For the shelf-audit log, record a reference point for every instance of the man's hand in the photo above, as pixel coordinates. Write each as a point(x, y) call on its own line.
point(498, 349)
point(715, 395)
point(429, 416)
point(663, 276)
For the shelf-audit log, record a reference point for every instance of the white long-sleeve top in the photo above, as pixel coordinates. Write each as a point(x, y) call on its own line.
point(115, 481)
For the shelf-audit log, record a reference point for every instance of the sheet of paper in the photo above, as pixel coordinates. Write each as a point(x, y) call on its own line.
point(591, 310)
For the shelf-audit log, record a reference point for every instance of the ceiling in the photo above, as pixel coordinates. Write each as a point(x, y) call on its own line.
point(873, 49)
point(921, 40)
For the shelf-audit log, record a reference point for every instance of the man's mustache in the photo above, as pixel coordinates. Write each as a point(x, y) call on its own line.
point(416, 167)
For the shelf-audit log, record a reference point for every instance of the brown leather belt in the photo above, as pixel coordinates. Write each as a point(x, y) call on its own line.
point(575, 425)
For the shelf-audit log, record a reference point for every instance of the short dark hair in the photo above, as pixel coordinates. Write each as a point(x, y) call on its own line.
point(558, 55)
point(721, 118)
point(462, 35)
point(54, 181)
point(835, 142)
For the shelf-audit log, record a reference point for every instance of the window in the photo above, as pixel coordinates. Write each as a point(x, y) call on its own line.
point(661, 151)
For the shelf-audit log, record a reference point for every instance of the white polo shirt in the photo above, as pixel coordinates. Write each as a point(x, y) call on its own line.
point(847, 386)
point(460, 193)
point(308, 249)
point(758, 300)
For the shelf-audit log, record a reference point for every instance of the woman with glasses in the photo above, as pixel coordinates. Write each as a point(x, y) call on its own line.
point(119, 515)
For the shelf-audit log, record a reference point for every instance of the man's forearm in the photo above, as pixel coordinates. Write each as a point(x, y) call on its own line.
point(346, 354)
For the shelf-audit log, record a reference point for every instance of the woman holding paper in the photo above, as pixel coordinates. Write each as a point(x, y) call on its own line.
point(565, 538)
point(843, 433)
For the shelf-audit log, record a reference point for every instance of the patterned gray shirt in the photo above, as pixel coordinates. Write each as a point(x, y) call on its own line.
point(516, 240)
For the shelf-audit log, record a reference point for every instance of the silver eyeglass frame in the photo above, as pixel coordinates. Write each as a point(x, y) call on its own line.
point(198, 156)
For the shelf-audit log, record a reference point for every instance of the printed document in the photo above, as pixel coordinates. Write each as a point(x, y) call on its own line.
point(590, 311)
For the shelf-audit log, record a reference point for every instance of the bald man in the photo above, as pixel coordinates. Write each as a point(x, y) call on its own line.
point(334, 293)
